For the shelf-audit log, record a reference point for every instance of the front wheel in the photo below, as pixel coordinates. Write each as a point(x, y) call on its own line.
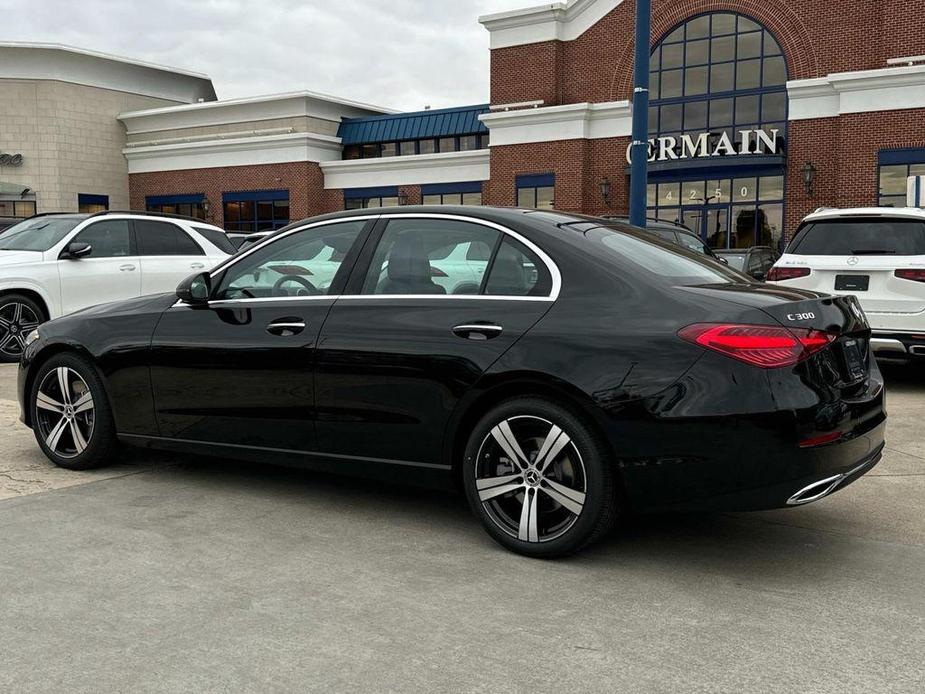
point(539, 479)
point(71, 418)
point(19, 316)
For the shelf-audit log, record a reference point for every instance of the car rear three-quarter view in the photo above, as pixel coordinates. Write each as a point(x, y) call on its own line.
point(562, 370)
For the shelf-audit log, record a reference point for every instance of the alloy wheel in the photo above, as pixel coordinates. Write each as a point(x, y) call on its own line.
point(17, 320)
point(65, 412)
point(530, 479)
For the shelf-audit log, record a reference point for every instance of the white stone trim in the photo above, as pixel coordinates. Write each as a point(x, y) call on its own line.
point(55, 61)
point(247, 151)
point(866, 91)
point(247, 110)
point(557, 21)
point(569, 122)
point(449, 167)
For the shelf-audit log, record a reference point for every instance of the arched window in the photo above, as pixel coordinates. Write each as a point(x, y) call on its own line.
point(716, 74)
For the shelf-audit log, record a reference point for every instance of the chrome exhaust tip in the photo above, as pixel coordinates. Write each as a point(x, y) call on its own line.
point(918, 349)
point(815, 491)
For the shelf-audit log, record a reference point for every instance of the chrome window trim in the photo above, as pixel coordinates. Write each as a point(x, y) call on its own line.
point(551, 267)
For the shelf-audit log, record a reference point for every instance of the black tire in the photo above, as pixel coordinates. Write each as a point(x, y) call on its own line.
point(93, 444)
point(19, 315)
point(581, 469)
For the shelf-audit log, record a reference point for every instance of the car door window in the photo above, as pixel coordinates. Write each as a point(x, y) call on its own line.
point(163, 238)
point(754, 264)
point(303, 263)
point(430, 256)
point(111, 238)
point(516, 271)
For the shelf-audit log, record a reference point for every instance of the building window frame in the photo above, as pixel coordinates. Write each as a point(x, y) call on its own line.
point(469, 193)
point(536, 191)
point(365, 198)
point(255, 210)
point(185, 205)
point(907, 161)
point(92, 203)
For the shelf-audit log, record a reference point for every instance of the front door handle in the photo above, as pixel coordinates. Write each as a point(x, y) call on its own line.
point(478, 331)
point(197, 266)
point(286, 327)
point(126, 268)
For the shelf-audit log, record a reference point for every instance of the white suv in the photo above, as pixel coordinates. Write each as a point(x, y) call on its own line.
point(55, 264)
point(876, 254)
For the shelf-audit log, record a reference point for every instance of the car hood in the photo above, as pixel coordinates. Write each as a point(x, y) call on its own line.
point(10, 258)
point(156, 302)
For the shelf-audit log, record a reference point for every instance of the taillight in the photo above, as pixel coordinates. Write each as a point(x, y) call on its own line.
point(914, 275)
point(779, 274)
point(766, 346)
point(437, 272)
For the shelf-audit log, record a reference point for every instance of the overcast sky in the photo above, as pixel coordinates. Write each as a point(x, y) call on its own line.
point(402, 53)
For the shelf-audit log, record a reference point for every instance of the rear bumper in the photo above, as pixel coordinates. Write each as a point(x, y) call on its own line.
point(898, 345)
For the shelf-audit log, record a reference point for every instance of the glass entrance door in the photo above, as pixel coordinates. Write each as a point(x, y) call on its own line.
point(710, 222)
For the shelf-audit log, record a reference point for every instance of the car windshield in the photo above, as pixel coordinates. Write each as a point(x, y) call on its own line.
point(860, 236)
point(669, 261)
point(37, 234)
point(693, 243)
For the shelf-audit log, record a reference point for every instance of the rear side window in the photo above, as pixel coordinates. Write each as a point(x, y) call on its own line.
point(862, 236)
point(516, 271)
point(217, 238)
point(162, 238)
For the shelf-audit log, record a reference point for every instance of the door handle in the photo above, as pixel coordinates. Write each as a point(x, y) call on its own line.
point(286, 327)
point(126, 268)
point(478, 331)
point(197, 266)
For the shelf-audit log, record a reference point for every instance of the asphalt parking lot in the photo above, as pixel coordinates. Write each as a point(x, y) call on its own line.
point(172, 574)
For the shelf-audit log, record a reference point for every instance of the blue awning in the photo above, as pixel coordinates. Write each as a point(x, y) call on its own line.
point(447, 122)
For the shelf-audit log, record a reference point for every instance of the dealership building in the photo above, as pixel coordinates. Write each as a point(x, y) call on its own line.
point(760, 111)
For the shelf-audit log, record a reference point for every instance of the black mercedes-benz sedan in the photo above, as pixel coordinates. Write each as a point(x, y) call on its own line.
point(560, 369)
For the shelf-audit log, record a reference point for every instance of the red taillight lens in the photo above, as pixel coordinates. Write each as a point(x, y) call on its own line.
point(914, 275)
point(779, 274)
point(437, 272)
point(766, 346)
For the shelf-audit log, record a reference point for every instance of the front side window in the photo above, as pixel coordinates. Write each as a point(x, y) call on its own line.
point(304, 263)
point(108, 239)
point(161, 238)
point(874, 236)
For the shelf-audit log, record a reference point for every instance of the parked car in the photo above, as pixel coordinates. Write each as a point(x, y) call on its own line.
point(598, 370)
point(51, 265)
point(754, 262)
point(876, 254)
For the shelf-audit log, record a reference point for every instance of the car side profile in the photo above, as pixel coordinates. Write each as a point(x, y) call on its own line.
point(55, 264)
point(595, 371)
point(875, 254)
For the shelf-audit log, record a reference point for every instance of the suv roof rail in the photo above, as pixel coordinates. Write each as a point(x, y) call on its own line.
point(51, 214)
point(148, 213)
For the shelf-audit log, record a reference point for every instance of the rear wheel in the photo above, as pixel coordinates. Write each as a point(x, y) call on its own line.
point(19, 316)
point(71, 417)
point(539, 479)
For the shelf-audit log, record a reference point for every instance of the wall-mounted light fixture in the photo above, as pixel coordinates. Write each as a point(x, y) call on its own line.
point(809, 175)
point(206, 206)
point(606, 190)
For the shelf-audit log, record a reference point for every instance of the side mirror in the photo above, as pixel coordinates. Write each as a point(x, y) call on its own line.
point(195, 289)
point(721, 259)
point(76, 250)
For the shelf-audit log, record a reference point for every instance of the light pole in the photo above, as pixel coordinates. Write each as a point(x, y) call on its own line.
point(639, 151)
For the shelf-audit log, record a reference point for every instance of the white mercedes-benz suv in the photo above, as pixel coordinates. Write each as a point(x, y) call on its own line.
point(876, 254)
point(55, 264)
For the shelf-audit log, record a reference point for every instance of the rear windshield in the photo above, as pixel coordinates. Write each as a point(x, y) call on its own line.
point(37, 234)
point(736, 261)
point(862, 236)
point(217, 238)
point(674, 264)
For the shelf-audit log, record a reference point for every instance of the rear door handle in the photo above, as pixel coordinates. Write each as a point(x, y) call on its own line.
point(286, 327)
point(197, 266)
point(478, 331)
point(126, 268)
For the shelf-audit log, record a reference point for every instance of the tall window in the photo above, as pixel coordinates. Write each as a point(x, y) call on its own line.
point(256, 210)
point(536, 191)
point(895, 168)
point(717, 75)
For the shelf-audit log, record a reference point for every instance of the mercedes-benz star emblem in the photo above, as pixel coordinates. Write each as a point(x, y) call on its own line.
point(853, 260)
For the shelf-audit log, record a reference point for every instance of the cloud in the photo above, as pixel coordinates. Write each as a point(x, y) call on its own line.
point(405, 53)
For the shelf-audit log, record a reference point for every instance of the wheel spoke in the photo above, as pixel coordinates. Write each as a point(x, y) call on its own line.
point(555, 441)
point(55, 435)
point(28, 326)
point(17, 312)
point(63, 384)
point(528, 530)
point(501, 489)
point(489, 482)
point(80, 443)
point(46, 402)
point(506, 439)
point(571, 499)
point(84, 403)
point(4, 323)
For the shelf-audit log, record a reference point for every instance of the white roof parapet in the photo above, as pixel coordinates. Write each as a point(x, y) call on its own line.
point(60, 62)
point(864, 91)
point(248, 109)
point(567, 122)
point(911, 60)
point(557, 21)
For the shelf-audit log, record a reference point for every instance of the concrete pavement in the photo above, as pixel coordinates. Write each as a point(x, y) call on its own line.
point(173, 575)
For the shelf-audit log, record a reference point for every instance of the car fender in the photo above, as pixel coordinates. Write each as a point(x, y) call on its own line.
point(52, 300)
